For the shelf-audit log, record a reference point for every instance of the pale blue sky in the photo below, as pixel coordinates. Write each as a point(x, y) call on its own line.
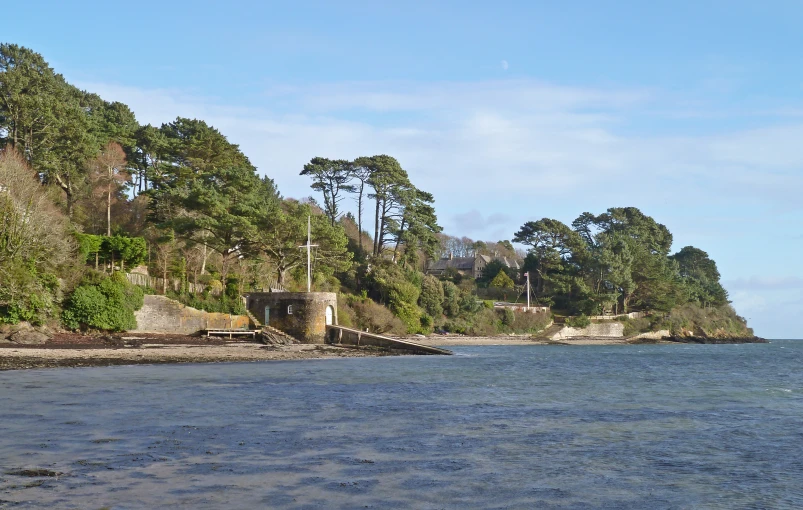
point(506, 111)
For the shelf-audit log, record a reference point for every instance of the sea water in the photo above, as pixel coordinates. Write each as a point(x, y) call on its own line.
point(651, 426)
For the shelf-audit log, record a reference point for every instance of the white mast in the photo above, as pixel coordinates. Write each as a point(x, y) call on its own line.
point(308, 246)
point(528, 291)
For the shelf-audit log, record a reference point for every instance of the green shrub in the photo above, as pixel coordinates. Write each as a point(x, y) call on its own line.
point(345, 315)
point(636, 326)
point(426, 324)
point(531, 323)
point(25, 294)
point(104, 303)
point(721, 321)
point(409, 314)
point(580, 321)
point(376, 318)
point(210, 303)
point(451, 299)
point(432, 295)
point(508, 317)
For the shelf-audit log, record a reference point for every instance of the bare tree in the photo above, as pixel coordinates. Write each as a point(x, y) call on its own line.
point(109, 172)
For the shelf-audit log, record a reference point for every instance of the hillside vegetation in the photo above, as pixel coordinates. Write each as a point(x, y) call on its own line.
point(88, 193)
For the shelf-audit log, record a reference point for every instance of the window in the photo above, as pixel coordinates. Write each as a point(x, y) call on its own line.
point(289, 309)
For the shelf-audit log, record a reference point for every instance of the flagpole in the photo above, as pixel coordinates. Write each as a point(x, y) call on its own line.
point(308, 246)
point(309, 267)
point(528, 291)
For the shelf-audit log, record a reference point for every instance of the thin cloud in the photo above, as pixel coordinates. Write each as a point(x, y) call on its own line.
point(498, 144)
point(755, 283)
point(504, 65)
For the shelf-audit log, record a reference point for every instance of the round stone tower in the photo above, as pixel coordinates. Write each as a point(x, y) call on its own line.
point(302, 315)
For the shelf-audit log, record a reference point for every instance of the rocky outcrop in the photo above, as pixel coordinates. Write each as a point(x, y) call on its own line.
point(25, 333)
point(697, 335)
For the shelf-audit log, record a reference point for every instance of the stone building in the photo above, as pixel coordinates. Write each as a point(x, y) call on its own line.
point(303, 315)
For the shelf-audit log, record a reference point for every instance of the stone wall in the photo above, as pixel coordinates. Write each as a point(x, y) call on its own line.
point(302, 315)
point(164, 315)
point(606, 329)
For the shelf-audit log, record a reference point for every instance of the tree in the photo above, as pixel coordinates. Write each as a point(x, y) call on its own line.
point(197, 148)
point(219, 209)
point(551, 244)
point(502, 281)
point(282, 232)
point(109, 170)
point(390, 184)
point(625, 261)
point(332, 179)
point(150, 154)
point(28, 92)
point(207, 191)
point(35, 245)
point(361, 169)
point(418, 228)
point(701, 276)
point(432, 296)
point(63, 159)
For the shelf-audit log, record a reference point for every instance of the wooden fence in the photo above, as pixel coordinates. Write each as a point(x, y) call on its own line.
point(174, 284)
point(631, 315)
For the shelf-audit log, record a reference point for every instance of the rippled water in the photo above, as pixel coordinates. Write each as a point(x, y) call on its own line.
point(697, 426)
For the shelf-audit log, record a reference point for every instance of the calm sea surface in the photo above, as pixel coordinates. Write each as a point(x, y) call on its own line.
point(654, 426)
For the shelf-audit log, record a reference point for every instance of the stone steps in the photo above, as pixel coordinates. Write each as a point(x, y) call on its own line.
point(273, 336)
point(251, 316)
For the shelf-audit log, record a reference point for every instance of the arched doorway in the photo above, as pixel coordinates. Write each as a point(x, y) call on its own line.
point(330, 315)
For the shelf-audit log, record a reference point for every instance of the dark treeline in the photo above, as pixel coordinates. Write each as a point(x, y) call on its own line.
point(87, 194)
point(614, 262)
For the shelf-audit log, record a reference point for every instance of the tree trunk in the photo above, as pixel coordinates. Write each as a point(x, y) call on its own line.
point(376, 227)
point(109, 207)
point(359, 215)
point(398, 240)
point(203, 262)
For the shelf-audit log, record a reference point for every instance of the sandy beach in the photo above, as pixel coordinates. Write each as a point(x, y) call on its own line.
point(447, 340)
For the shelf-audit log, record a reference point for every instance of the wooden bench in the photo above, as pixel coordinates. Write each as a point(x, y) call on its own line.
point(230, 332)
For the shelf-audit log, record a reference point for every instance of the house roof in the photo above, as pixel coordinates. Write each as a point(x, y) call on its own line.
point(511, 263)
point(462, 263)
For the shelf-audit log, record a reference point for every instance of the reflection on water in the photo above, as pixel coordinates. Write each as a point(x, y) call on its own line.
point(493, 427)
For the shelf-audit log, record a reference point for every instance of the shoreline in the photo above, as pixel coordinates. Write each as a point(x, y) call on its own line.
point(18, 357)
point(72, 351)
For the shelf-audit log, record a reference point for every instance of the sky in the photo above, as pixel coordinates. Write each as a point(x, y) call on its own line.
point(506, 111)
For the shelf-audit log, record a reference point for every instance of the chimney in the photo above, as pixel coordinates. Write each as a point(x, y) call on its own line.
point(450, 255)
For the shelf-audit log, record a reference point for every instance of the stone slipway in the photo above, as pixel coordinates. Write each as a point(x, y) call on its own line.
point(338, 335)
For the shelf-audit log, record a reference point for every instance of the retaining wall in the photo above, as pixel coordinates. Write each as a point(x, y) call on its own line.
point(164, 315)
point(608, 329)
